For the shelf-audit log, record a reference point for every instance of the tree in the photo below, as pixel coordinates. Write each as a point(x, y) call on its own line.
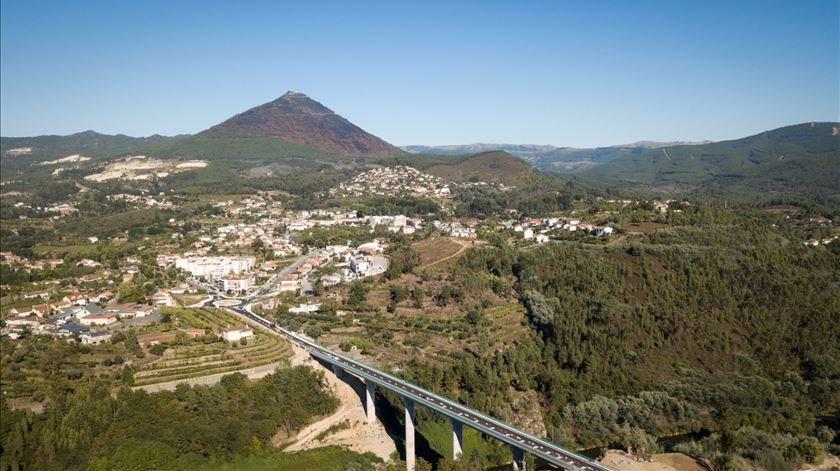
point(417, 298)
point(127, 376)
point(358, 294)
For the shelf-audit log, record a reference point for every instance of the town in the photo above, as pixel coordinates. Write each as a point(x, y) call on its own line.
point(249, 244)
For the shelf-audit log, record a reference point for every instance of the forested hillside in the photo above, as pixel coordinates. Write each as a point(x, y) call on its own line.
point(88, 428)
point(801, 161)
point(722, 325)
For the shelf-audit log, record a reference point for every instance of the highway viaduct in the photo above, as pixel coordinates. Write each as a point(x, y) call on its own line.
point(459, 415)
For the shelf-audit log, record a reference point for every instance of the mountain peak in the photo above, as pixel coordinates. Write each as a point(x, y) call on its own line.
point(296, 118)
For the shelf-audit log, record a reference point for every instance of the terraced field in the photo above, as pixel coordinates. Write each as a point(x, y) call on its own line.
point(200, 358)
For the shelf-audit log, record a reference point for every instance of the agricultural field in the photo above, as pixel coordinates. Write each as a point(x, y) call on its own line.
point(204, 356)
point(164, 351)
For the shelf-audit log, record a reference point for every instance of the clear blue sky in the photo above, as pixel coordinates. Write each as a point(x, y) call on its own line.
point(563, 73)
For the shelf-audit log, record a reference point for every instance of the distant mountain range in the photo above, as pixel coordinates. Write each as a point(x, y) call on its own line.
point(548, 157)
point(296, 134)
point(800, 159)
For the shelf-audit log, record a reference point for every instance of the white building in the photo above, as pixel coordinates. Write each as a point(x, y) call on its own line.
point(305, 308)
point(162, 298)
point(235, 334)
point(237, 283)
point(289, 286)
point(360, 265)
point(106, 318)
point(215, 267)
point(602, 231)
point(94, 338)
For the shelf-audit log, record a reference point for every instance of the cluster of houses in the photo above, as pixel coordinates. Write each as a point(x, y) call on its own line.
point(393, 181)
point(456, 229)
point(398, 223)
point(10, 258)
point(73, 315)
point(817, 242)
point(349, 262)
point(538, 229)
point(161, 201)
point(58, 210)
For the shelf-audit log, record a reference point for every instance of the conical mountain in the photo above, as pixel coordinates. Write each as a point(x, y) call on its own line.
point(296, 118)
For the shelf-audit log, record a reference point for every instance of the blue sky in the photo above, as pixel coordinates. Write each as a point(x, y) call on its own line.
point(563, 73)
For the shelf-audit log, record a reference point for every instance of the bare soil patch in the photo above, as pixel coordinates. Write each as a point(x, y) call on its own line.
point(621, 461)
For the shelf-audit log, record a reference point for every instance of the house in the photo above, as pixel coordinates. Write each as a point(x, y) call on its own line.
point(541, 238)
point(33, 322)
point(602, 231)
point(68, 313)
point(130, 310)
point(88, 263)
point(20, 312)
point(76, 298)
point(162, 298)
point(528, 233)
point(70, 328)
point(60, 305)
point(360, 265)
point(37, 294)
point(269, 265)
point(305, 308)
point(102, 297)
point(106, 318)
point(95, 338)
point(41, 310)
point(235, 334)
point(289, 285)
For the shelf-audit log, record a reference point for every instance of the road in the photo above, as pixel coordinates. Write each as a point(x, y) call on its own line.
point(274, 280)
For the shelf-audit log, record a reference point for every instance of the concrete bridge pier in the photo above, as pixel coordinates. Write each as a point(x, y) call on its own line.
point(410, 418)
point(337, 371)
point(457, 439)
point(518, 459)
point(370, 393)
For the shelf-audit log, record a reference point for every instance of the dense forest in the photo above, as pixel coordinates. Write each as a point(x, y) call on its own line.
point(720, 326)
point(90, 428)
